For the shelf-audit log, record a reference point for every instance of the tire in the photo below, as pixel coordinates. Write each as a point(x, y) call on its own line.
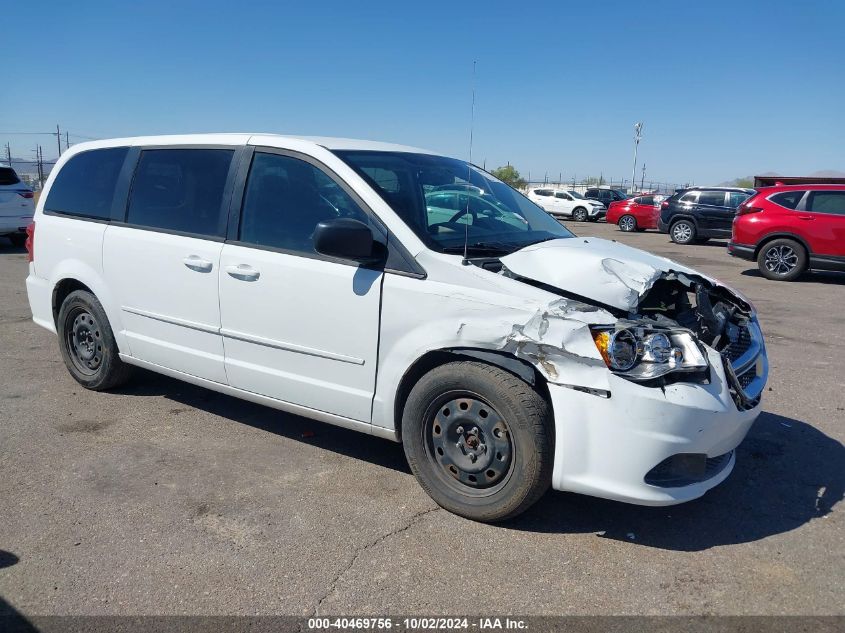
point(18, 240)
point(492, 459)
point(627, 223)
point(87, 343)
point(683, 232)
point(580, 214)
point(782, 260)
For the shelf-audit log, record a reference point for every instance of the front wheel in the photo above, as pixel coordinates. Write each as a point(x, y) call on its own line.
point(627, 223)
point(580, 214)
point(87, 343)
point(782, 260)
point(479, 440)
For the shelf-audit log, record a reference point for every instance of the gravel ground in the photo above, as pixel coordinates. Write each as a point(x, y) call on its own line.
point(163, 498)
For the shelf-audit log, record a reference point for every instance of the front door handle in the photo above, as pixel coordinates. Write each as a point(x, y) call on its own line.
point(197, 263)
point(806, 217)
point(244, 272)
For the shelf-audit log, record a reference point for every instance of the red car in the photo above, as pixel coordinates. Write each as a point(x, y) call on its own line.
point(635, 214)
point(790, 228)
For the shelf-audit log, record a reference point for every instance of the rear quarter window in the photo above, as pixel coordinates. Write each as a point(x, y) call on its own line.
point(85, 185)
point(787, 199)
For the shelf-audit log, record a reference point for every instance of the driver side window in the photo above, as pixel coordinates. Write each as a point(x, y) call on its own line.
point(285, 199)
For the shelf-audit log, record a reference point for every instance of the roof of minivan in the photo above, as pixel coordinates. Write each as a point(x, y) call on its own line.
point(272, 140)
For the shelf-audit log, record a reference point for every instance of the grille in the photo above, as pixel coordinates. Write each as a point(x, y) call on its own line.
point(746, 378)
point(740, 346)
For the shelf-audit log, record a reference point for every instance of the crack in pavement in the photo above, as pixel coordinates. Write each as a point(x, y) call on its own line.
point(361, 550)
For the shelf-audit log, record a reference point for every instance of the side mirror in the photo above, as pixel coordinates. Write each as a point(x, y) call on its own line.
point(346, 238)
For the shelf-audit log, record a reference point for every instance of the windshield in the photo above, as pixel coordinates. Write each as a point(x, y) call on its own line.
point(444, 199)
point(575, 194)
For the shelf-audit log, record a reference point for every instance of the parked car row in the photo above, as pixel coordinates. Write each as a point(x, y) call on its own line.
point(567, 204)
point(786, 229)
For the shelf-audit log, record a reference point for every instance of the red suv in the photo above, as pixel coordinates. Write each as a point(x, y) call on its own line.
point(790, 228)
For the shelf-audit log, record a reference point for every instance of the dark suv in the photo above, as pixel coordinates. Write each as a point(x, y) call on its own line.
point(699, 213)
point(605, 196)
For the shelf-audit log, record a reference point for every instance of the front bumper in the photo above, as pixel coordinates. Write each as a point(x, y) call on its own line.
point(608, 447)
point(743, 251)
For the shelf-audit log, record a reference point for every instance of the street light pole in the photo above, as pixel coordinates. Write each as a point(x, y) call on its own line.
point(638, 134)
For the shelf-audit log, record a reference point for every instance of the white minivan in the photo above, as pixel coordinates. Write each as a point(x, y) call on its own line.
point(327, 278)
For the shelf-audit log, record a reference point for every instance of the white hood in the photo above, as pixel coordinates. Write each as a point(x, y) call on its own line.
point(602, 270)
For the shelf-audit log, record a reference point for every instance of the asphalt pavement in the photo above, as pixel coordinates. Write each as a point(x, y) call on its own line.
point(164, 498)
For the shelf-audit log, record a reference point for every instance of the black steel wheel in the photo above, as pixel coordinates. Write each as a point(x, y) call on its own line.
point(470, 443)
point(479, 440)
point(87, 343)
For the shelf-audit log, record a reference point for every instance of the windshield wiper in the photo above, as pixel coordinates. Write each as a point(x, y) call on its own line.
point(497, 248)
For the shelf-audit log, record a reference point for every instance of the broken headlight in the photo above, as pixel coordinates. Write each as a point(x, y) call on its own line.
point(643, 354)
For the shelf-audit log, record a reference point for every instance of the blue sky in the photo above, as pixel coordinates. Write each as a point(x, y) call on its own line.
point(725, 89)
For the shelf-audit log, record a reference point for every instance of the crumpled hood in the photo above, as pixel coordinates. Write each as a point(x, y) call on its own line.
point(602, 270)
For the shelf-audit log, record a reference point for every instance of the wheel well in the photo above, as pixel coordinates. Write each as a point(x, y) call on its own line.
point(780, 236)
point(678, 218)
point(428, 361)
point(62, 290)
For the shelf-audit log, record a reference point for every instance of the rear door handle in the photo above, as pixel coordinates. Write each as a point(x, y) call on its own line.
point(197, 263)
point(244, 272)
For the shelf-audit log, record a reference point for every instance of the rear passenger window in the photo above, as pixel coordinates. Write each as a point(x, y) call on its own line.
point(286, 198)
point(788, 199)
point(85, 185)
point(180, 190)
point(712, 198)
point(689, 197)
point(827, 202)
point(646, 200)
point(736, 198)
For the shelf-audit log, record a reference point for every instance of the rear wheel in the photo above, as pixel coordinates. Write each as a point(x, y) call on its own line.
point(682, 232)
point(580, 214)
point(782, 260)
point(87, 343)
point(627, 223)
point(17, 239)
point(479, 440)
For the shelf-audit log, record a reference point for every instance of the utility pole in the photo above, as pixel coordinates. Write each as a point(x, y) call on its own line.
point(67, 140)
point(9, 154)
point(643, 178)
point(638, 134)
point(59, 138)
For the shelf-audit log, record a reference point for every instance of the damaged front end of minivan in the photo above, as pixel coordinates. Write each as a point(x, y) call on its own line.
point(662, 368)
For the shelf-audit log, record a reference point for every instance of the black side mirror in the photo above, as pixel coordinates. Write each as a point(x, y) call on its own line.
point(346, 238)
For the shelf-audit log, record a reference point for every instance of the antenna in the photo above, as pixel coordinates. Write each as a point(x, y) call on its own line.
point(465, 261)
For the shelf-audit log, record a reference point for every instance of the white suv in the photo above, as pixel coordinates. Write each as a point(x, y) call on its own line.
point(16, 206)
point(317, 276)
point(568, 204)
